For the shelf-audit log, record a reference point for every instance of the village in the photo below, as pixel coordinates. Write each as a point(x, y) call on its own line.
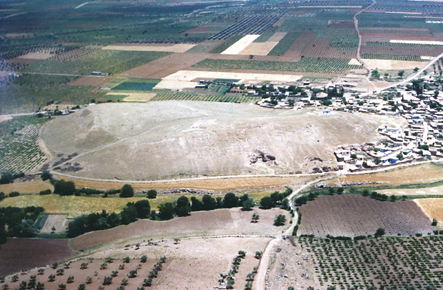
point(419, 102)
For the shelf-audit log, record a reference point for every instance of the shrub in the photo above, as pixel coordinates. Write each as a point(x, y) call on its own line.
point(45, 192)
point(280, 220)
point(143, 259)
point(152, 194)
point(107, 280)
point(81, 287)
point(127, 191)
point(14, 193)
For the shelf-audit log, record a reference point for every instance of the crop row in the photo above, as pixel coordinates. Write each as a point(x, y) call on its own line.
point(384, 30)
point(391, 57)
point(306, 65)
point(398, 262)
point(19, 151)
point(252, 24)
point(169, 96)
point(341, 38)
point(284, 44)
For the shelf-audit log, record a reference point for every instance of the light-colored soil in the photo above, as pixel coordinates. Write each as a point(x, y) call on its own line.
point(205, 258)
point(204, 223)
point(432, 207)
point(165, 66)
point(25, 187)
point(139, 97)
point(406, 175)
point(180, 47)
point(219, 184)
point(259, 48)
point(291, 261)
point(277, 36)
point(237, 47)
point(414, 191)
point(417, 42)
point(386, 64)
point(353, 61)
point(58, 221)
point(189, 79)
point(4, 119)
point(36, 55)
point(164, 140)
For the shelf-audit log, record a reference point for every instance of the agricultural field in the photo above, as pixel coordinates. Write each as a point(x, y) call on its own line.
point(190, 139)
point(305, 65)
point(136, 85)
point(354, 215)
point(19, 149)
point(25, 187)
point(398, 262)
point(170, 96)
point(55, 223)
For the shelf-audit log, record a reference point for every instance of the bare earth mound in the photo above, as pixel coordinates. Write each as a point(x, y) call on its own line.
point(18, 254)
point(163, 140)
point(216, 222)
point(354, 215)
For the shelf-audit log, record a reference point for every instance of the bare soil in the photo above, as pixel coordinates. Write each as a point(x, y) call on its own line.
point(354, 215)
point(90, 81)
point(211, 223)
point(32, 253)
point(432, 207)
point(165, 140)
point(57, 221)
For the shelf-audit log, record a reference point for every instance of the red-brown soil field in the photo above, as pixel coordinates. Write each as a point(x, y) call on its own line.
point(216, 222)
point(18, 254)
point(354, 215)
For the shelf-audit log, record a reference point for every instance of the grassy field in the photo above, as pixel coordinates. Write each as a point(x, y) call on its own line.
point(284, 44)
point(227, 44)
point(305, 65)
point(19, 151)
point(106, 61)
point(25, 187)
point(136, 85)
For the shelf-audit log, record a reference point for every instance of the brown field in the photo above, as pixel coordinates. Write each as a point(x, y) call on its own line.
point(199, 29)
point(165, 66)
point(386, 37)
point(139, 97)
point(205, 258)
point(90, 81)
point(180, 47)
point(33, 253)
point(430, 50)
point(432, 207)
point(354, 215)
point(340, 24)
point(259, 48)
point(169, 140)
point(210, 223)
point(58, 221)
point(26, 187)
point(218, 184)
point(425, 173)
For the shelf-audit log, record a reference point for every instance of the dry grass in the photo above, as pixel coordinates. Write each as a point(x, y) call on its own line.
point(4, 119)
point(139, 97)
point(432, 207)
point(407, 175)
point(58, 221)
point(25, 187)
point(222, 184)
point(385, 64)
point(237, 47)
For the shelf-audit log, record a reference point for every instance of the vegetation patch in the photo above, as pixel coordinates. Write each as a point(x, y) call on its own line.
point(136, 85)
point(284, 44)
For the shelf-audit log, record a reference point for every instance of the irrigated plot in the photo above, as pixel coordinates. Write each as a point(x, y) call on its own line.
point(354, 215)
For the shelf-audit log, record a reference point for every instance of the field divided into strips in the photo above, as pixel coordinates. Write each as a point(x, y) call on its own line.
point(107, 61)
point(225, 45)
point(19, 151)
point(305, 65)
point(341, 38)
point(238, 46)
point(169, 96)
point(399, 51)
point(397, 262)
point(354, 215)
point(284, 44)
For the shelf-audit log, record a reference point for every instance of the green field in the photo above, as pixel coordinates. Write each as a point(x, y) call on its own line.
point(305, 65)
point(284, 44)
point(19, 151)
point(106, 61)
point(136, 85)
point(169, 96)
point(227, 44)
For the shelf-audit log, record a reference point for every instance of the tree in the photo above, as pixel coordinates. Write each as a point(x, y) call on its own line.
point(255, 217)
point(375, 74)
point(197, 205)
point(127, 191)
point(46, 175)
point(128, 215)
point(166, 211)
point(143, 208)
point(183, 207)
point(209, 203)
point(6, 177)
point(63, 187)
point(379, 232)
point(280, 220)
point(51, 278)
point(401, 73)
point(107, 280)
point(144, 258)
point(266, 202)
point(230, 200)
point(247, 204)
point(81, 287)
point(3, 238)
point(152, 193)
point(416, 69)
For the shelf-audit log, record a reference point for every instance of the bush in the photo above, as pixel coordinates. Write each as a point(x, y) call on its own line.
point(127, 191)
point(46, 175)
point(152, 193)
point(45, 192)
point(266, 202)
point(14, 193)
point(280, 220)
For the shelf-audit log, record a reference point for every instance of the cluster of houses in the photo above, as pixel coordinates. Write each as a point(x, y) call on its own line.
point(419, 102)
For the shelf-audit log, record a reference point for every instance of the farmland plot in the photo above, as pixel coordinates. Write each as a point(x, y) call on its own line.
point(19, 151)
point(55, 223)
point(398, 262)
point(355, 215)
